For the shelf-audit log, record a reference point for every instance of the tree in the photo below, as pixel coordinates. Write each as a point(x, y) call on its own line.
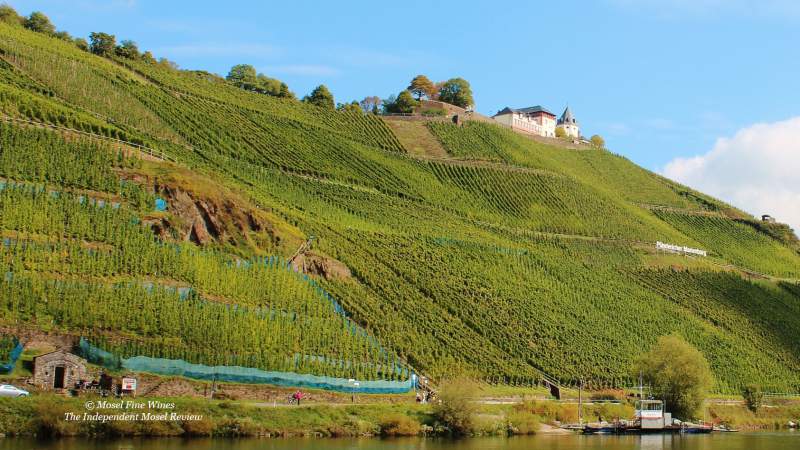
point(371, 104)
point(456, 91)
point(598, 141)
point(286, 93)
point(753, 397)
point(437, 87)
point(148, 57)
point(10, 16)
point(82, 44)
point(421, 86)
point(167, 64)
point(272, 86)
point(349, 107)
point(63, 35)
point(678, 374)
point(404, 103)
point(560, 132)
point(243, 76)
point(102, 44)
point(127, 49)
point(321, 97)
point(40, 23)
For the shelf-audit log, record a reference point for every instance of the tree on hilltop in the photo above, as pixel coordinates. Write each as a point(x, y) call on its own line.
point(456, 91)
point(81, 43)
point(353, 106)
point(371, 104)
point(40, 23)
point(128, 49)
point(678, 374)
point(598, 141)
point(321, 97)
point(148, 57)
point(421, 86)
point(243, 76)
point(404, 103)
point(272, 86)
point(10, 15)
point(102, 44)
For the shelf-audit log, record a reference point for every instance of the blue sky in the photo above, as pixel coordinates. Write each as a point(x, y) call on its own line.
point(659, 80)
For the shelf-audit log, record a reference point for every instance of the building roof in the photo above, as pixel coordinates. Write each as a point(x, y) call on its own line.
point(528, 110)
point(567, 117)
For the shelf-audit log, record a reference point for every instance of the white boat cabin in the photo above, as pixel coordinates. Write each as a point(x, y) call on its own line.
point(651, 415)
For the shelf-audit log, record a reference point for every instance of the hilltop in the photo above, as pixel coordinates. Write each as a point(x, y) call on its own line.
point(431, 247)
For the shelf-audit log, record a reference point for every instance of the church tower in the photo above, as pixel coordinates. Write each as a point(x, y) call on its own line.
point(569, 124)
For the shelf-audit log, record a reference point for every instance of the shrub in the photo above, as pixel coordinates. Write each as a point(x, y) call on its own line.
point(455, 409)
point(753, 397)
point(202, 427)
point(607, 394)
point(399, 425)
point(523, 422)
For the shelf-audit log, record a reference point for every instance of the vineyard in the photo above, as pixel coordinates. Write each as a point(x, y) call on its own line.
point(510, 260)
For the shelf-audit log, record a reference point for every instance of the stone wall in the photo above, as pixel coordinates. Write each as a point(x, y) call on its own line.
point(45, 368)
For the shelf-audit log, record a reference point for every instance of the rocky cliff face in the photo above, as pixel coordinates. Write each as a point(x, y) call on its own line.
point(204, 220)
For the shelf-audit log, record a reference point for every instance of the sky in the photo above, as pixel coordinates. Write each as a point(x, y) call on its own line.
point(706, 92)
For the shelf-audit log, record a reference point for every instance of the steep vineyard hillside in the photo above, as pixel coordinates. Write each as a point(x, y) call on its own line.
point(507, 258)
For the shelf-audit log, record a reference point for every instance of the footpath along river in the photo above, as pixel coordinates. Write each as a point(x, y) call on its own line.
point(727, 441)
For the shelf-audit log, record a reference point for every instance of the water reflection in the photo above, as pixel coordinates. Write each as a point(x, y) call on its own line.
point(740, 441)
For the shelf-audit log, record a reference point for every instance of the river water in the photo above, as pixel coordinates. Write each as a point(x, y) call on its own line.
point(717, 441)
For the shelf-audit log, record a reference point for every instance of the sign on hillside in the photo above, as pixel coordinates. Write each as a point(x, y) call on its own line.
point(680, 249)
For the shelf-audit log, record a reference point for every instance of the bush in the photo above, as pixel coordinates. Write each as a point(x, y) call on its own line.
point(753, 397)
point(523, 422)
point(202, 427)
point(399, 425)
point(607, 394)
point(455, 409)
point(547, 411)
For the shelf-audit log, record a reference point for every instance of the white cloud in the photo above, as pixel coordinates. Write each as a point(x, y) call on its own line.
point(758, 170)
point(316, 70)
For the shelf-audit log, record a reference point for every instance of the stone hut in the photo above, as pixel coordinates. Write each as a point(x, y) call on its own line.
point(58, 370)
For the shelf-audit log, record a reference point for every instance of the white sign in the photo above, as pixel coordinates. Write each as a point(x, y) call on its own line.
point(129, 384)
point(680, 249)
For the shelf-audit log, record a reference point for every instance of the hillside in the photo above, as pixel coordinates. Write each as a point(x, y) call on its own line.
point(507, 258)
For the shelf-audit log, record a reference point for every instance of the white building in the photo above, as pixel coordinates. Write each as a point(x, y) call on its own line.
point(533, 120)
point(569, 124)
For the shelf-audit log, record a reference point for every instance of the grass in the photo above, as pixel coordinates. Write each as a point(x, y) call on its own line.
point(416, 138)
point(44, 415)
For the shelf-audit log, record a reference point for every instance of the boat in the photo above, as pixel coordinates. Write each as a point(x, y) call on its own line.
point(650, 418)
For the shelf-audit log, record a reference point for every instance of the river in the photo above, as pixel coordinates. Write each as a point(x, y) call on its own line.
point(717, 441)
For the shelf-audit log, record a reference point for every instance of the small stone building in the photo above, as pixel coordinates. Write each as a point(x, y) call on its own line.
point(58, 370)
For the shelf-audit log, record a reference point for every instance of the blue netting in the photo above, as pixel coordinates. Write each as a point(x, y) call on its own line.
point(237, 374)
point(8, 366)
point(161, 204)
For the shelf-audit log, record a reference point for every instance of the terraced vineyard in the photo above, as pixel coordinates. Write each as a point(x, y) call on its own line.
point(736, 242)
point(510, 260)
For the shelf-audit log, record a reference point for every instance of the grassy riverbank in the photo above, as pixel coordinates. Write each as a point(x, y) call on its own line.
point(49, 415)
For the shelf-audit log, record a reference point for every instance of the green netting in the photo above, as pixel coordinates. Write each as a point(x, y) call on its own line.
point(237, 374)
